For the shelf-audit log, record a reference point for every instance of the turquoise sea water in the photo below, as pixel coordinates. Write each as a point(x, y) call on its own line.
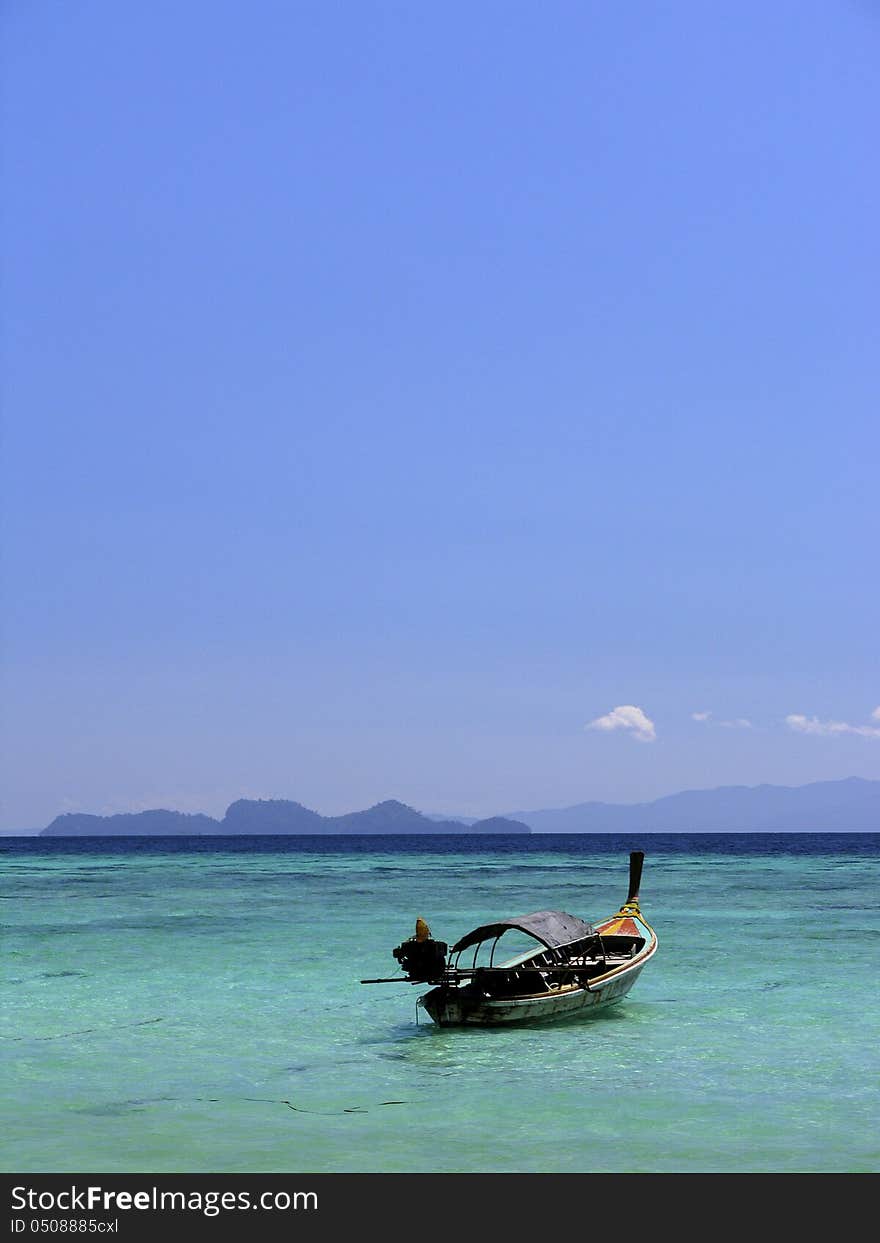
point(194, 1005)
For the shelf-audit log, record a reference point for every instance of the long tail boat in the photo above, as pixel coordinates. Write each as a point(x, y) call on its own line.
point(571, 967)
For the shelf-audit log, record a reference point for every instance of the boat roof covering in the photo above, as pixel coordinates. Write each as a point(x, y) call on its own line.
point(551, 928)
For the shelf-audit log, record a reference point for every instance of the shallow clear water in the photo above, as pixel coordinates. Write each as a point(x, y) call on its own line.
point(194, 1005)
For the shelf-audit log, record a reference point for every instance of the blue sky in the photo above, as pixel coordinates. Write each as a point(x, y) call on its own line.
point(391, 391)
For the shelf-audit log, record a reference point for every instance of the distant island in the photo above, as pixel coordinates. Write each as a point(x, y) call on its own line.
point(271, 817)
point(851, 805)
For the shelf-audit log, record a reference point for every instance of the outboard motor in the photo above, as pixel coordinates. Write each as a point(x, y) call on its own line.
point(422, 958)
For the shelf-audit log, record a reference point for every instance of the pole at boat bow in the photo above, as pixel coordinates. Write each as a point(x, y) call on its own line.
point(636, 859)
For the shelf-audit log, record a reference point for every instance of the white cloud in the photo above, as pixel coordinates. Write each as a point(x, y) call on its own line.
point(812, 725)
point(627, 717)
point(740, 723)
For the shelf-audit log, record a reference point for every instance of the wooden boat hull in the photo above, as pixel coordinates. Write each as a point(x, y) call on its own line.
point(447, 1009)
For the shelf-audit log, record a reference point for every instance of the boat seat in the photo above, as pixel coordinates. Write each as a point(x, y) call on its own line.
point(532, 980)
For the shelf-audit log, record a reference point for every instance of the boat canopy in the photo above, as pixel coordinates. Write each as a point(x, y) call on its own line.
point(551, 928)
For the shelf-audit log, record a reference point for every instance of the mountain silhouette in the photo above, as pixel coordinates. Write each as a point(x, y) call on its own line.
point(270, 817)
point(851, 805)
